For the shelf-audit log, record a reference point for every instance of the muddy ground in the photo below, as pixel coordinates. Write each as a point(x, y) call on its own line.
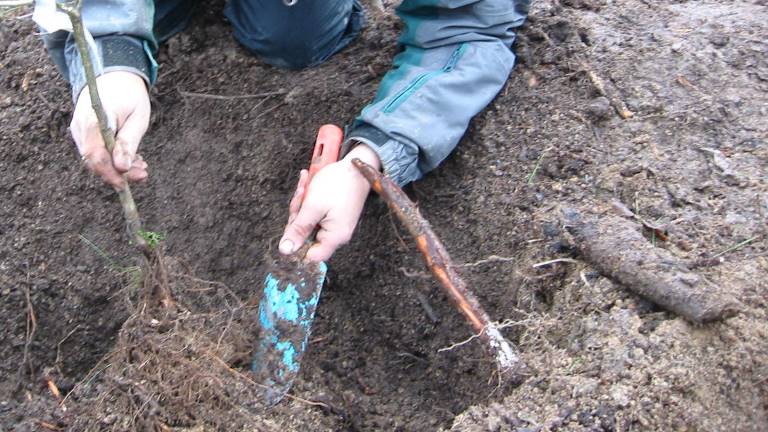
point(692, 157)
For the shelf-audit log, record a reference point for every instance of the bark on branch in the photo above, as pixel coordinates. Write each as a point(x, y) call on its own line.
point(439, 262)
point(618, 250)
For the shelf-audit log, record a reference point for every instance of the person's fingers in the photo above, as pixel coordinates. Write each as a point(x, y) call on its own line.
point(327, 241)
point(136, 174)
point(139, 163)
point(130, 131)
point(85, 132)
point(122, 158)
point(98, 160)
point(139, 170)
point(302, 226)
point(298, 196)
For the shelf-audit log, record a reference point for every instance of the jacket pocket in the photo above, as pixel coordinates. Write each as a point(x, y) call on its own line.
point(422, 79)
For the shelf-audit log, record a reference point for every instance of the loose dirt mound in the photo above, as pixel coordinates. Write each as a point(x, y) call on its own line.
point(692, 157)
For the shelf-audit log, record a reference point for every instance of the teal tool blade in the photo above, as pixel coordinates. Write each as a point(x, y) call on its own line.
point(286, 311)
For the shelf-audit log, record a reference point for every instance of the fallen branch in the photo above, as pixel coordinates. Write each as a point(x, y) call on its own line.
point(617, 249)
point(439, 262)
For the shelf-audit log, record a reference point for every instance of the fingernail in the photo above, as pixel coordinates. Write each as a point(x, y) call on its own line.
point(286, 247)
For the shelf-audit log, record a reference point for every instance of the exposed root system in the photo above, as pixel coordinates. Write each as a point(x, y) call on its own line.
point(174, 363)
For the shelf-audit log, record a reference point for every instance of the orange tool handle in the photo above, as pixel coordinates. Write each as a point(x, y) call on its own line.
point(327, 148)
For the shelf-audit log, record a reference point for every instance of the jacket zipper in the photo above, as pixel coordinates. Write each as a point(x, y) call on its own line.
point(422, 79)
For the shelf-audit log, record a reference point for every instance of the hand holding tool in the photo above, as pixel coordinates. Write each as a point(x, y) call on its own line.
point(291, 292)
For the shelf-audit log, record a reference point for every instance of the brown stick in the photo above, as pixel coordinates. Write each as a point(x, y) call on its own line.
point(617, 249)
point(616, 103)
point(30, 332)
point(130, 212)
point(439, 262)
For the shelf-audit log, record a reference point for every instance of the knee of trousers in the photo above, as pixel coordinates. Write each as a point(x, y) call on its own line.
point(294, 37)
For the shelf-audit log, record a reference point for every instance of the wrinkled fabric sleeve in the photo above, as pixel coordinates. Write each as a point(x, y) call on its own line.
point(122, 30)
point(456, 55)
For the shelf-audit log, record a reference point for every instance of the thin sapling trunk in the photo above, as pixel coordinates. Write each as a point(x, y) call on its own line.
point(130, 212)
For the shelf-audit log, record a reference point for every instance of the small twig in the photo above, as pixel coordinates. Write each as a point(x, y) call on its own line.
point(622, 210)
point(269, 110)
point(597, 82)
point(505, 324)
point(54, 389)
point(554, 261)
point(46, 425)
point(226, 329)
point(93, 373)
point(735, 247)
point(30, 329)
point(583, 277)
point(232, 97)
point(247, 379)
point(489, 259)
point(216, 284)
point(458, 344)
point(414, 274)
point(257, 105)
point(58, 346)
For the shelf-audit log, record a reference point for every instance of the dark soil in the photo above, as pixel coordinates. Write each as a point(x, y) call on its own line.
point(692, 157)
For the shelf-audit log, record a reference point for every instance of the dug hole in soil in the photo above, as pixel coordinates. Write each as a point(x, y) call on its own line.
point(692, 158)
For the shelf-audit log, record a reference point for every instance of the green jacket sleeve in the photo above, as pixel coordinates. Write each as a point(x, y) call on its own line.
point(456, 56)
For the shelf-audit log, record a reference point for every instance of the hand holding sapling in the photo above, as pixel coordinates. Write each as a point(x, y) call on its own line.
point(126, 103)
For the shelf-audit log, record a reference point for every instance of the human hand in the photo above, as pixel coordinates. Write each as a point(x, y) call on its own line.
point(334, 201)
point(126, 101)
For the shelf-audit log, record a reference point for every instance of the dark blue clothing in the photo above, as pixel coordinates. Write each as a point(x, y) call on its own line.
point(303, 35)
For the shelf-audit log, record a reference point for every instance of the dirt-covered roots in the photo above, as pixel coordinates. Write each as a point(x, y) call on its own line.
point(174, 364)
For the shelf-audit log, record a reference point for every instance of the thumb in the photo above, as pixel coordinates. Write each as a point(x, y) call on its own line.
point(122, 157)
point(296, 232)
point(127, 142)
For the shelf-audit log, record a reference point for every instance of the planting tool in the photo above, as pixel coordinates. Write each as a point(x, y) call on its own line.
point(291, 292)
